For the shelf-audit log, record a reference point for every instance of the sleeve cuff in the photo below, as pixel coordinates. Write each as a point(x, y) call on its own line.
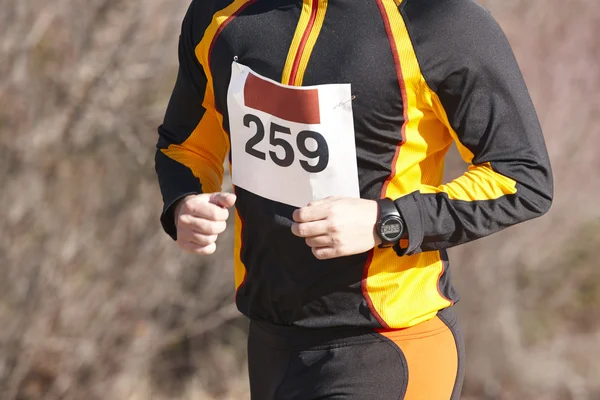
point(409, 207)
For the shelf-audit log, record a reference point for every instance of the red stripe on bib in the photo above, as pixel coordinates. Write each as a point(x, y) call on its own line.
point(295, 105)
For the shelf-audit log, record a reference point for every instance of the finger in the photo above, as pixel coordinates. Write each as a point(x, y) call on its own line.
point(198, 238)
point(309, 229)
point(224, 200)
point(326, 200)
point(204, 210)
point(201, 225)
point(325, 253)
point(312, 213)
point(192, 247)
point(200, 250)
point(320, 241)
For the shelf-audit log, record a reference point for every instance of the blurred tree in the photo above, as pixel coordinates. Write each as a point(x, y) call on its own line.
point(97, 303)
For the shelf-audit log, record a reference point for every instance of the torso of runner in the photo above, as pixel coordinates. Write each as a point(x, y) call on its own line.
point(319, 98)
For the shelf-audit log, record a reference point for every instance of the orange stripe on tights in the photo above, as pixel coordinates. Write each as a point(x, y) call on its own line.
point(432, 359)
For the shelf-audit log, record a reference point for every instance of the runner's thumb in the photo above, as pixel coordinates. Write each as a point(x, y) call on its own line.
point(224, 200)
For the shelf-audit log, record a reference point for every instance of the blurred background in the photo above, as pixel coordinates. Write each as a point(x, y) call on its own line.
point(96, 302)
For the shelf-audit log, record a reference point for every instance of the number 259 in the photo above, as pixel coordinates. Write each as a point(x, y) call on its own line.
point(321, 152)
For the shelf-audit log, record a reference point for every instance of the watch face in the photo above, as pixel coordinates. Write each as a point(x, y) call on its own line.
point(391, 229)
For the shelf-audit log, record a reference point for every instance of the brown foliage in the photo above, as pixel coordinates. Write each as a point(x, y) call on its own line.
point(97, 303)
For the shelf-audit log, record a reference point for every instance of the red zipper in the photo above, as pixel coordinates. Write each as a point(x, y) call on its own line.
point(311, 22)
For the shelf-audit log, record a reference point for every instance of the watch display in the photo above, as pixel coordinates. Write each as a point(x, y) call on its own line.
point(390, 225)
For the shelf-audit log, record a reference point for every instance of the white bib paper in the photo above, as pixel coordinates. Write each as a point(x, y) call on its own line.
point(291, 144)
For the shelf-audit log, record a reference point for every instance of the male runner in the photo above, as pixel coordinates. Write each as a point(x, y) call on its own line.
point(337, 115)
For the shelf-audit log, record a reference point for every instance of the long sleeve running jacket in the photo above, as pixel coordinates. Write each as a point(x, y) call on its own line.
point(423, 74)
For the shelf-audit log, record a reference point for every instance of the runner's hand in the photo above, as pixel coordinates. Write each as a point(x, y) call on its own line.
point(337, 226)
point(200, 219)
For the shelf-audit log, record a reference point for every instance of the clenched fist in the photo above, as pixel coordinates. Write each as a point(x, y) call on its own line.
point(337, 226)
point(200, 219)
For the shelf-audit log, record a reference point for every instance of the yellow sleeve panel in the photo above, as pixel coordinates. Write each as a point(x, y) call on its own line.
point(480, 182)
point(204, 151)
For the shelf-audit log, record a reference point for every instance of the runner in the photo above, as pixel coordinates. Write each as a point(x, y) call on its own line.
point(337, 115)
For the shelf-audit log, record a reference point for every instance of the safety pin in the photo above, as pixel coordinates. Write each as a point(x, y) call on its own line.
point(235, 59)
point(345, 102)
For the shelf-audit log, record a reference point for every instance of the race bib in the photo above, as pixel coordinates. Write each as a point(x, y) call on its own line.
point(291, 144)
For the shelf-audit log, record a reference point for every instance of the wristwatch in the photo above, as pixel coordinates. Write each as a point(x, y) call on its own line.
point(390, 225)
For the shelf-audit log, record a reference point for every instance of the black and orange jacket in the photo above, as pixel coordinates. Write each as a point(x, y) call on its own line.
point(424, 73)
